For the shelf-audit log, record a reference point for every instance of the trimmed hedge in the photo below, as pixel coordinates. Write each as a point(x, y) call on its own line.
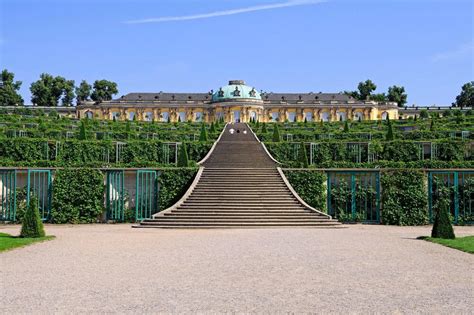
point(404, 198)
point(90, 153)
point(78, 196)
point(310, 186)
point(173, 184)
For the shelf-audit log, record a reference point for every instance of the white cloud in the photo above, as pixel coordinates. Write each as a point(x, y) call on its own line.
point(459, 52)
point(289, 3)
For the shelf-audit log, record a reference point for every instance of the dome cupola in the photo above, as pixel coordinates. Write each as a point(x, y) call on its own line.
point(236, 90)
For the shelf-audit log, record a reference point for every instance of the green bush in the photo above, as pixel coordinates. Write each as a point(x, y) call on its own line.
point(173, 184)
point(183, 156)
point(32, 225)
point(303, 157)
point(404, 199)
point(78, 196)
point(442, 227)
point(203, 134)
point(310, 186)
point(276, 134)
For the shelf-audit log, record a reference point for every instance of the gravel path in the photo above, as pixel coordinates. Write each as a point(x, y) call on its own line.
point(113, 268)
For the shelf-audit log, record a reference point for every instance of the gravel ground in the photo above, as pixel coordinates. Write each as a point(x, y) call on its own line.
point(113, 268)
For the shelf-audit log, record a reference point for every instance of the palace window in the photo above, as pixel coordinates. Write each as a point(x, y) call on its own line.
point(291, 116)
point(131, 115)
point(148, 116)
point(341, 116)
point(308, 116)
point(275, 116)
point(253, 93)
point(182, 116)
point(115, 115)
point(358, 116)
point(198, 116)
point(165, 116)
point(384, 115)
point(89, 114)
point(220, 93)
point(325, 116)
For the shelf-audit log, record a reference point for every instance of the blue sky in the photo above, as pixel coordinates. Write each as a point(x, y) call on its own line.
point(275, 45)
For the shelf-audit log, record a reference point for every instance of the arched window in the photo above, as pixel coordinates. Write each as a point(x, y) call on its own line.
point(341, 116)
point(291, 116)
point(325, 116)
point(89, 114)
point(308, 116)
point(358, 116)
point(384, 115)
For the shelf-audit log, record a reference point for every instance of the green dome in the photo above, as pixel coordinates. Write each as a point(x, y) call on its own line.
point(236, 90)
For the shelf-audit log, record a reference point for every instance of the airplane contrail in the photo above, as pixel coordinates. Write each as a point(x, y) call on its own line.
point(290, 3)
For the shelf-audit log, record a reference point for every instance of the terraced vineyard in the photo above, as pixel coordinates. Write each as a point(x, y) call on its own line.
point(53, 141)
point(425, 143)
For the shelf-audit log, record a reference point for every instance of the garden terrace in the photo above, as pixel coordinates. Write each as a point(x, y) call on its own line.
point(51, 142)
point(439, 143)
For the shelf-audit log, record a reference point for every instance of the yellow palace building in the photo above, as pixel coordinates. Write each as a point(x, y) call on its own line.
point(238, 102)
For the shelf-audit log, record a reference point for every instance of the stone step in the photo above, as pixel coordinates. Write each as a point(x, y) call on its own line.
point(240, 187)
point(234, 220)
point(244, 215)
point(237, 224)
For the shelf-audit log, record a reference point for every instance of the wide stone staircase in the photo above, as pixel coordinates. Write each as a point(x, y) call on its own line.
point(239, 187)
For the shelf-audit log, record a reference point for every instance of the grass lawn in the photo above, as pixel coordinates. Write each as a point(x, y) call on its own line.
point(466, 243)
point(8, 241)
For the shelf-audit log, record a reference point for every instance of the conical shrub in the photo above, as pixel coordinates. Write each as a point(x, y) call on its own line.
point(264, 128)
point(442, 227)
point(203, 134)
point(213, 128)
point(183, 156)
point(82, 131)
point(276, 134)
point(302, 156)
point(32, 226)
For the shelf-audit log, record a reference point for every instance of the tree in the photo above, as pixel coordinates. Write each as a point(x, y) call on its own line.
point(49, 90)
point(365, 89)
point(346, 126)
point(212, 129)
point(183, 156)
point(203, 134)
point(390, 136)
point(103, 90)
point(276, 134)
point(397, 94)
point(82, 131)
point(264, 128)
point(9, 90)
point(68, 93)
point(442, 227)
point(432, 126)
point(379, 97)
point(424, 114)
point(83, 91)
point(32, 226)
point(302, 156)
point(466, 97)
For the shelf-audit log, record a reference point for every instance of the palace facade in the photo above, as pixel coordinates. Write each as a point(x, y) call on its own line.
point(237, 102)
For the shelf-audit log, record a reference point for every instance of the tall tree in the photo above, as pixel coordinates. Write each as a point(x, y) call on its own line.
point(104, 90)
point(68, 90)
point(397, 94)
point(49, 90)
point(466, 97)
point(9, 90)
point(83, 91)
point(366, 88)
